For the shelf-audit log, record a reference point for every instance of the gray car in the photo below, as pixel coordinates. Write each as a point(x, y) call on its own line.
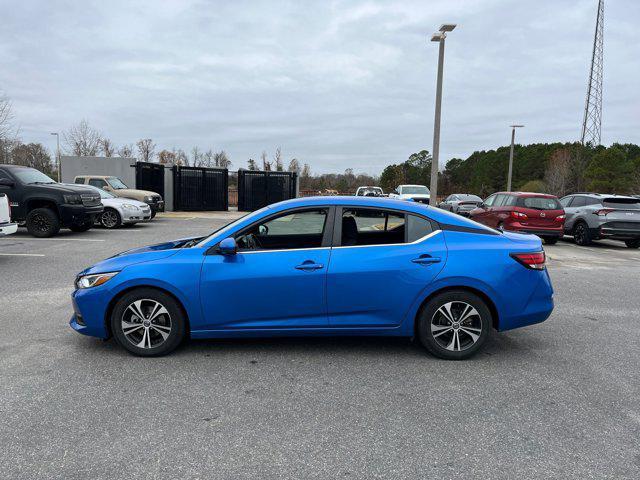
point(460, 203)
point(595, 216)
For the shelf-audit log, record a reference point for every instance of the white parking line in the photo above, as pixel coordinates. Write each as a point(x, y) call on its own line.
point(22, 255)
point(53, 239)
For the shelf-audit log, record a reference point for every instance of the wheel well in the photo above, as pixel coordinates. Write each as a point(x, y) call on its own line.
point(490, 305)
point(31, 204)
point(114, 300)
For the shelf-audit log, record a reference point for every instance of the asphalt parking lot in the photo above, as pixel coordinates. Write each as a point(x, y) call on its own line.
point(556, 400)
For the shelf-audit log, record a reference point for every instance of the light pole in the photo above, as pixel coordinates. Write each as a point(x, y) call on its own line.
point(438, 37)
point(513, 136)
point(57, 152)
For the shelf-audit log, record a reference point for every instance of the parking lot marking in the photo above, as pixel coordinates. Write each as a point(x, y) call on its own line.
point(22, 255)
point(55, 239)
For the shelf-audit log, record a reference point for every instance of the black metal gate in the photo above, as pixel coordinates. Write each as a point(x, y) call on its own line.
point(150, 176)
point(196, 188)
point(258, 189)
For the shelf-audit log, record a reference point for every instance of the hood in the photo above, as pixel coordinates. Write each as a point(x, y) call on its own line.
point(149, 253)
point(68, 188)
point(119, 201)
point(134, 193)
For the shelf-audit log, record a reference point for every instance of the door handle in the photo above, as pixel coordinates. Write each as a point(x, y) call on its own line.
point(309, 266)
point(426, 260)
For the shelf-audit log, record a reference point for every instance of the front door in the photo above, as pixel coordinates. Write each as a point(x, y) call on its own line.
point(276, 280)
point(384, 260)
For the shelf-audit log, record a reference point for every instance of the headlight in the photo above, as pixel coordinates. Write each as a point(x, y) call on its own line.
point(73, 199)
point(88, 281)
point(128, 206)
point(148, 199)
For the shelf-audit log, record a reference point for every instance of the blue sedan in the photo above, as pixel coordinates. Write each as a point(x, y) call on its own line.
point(322, 266)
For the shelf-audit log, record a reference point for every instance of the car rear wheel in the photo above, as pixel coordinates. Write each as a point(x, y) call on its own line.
point(550, 240)
point(454, 325)
point(43, 223)
point(635, 243)
point(148, 322)
point(110, 218)
point(581, 234)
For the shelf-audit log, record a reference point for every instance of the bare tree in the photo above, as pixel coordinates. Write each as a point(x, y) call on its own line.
point(107, 147)
point(146, 147)
point(82, 140)
point(6, 118)
point(181, 158)
point(558, 172)
point(294, 165)
point(220, 159)
point(196, 157)
point(207, 158)
point(126, 151)
point(306, 171)
point(277, 160)
point(266, 164)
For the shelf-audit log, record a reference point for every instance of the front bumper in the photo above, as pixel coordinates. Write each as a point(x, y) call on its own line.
point(140, 215)
point(157, 206)
point(88, 312)
point(79, 214)
point(8, 228)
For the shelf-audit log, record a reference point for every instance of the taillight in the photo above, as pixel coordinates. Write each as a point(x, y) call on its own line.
point(518, 215)
point(561, 218)
point(534, 261)
point(603, 211)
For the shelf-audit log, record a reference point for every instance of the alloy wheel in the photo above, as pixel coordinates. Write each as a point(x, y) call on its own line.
point(41, 223)
point(456, 326)
point(146, 323)
point(109, 219)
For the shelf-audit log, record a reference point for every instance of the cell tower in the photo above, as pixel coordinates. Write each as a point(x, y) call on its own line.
point(592, 122)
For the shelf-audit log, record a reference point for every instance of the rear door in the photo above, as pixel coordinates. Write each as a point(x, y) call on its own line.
point(381, 261)
point(483, 212)
point(572, 210)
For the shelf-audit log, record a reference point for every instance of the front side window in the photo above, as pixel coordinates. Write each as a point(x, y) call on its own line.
point(578, 202)
point(499, 200)
point(116, 183)
point(79, 180)
point(489, 201)
point(365, 226)
point(566, 201)
point(293, 230)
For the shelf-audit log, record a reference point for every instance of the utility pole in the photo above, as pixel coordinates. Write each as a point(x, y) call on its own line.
point(592, 120)
point(513, 136)
point(438, 37)
point(57, 152)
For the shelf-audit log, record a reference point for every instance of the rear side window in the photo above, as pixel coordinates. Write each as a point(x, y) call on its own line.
point(367, 226)
point(97, 182)
point(510, 201)
point(417, 227)
point(578, 202)
point(79, 180)
point(622, 203)
point(540, 203)
point(592, 201)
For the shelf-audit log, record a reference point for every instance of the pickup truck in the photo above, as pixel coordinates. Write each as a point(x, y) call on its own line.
point(417, 193)
point(44, 206)
point(6, 227)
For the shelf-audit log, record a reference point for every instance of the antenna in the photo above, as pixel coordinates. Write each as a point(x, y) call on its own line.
point(592, 121)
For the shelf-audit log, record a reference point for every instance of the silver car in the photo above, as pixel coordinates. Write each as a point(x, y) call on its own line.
point(460, 203)
point(121, 211)
point(595, 216)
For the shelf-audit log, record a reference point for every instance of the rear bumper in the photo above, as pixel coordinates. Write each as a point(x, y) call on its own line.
point(537, 309)
point(556, 232)
point(619, 233)
point(79, 214)
point(8, 228)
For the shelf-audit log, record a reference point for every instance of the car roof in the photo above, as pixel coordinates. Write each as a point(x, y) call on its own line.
point(411, 185)
point(95, 176)
point(437, 214)
point(526, 194)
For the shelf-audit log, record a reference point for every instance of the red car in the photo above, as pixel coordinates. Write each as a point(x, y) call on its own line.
point(536, 213)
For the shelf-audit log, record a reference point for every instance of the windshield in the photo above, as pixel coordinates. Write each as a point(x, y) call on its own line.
point(102, 193)
point(116, 183)
point(31, 176)
point(540, 203)
point(622, 203)
point(415, 189)
point(230, 225)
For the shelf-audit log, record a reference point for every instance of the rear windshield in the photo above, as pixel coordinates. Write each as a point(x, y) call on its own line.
point(539, 203)
point(469, 198)
point(622, 203)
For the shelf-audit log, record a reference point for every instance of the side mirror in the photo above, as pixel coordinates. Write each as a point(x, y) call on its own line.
point(6, 182)
point(228, 246)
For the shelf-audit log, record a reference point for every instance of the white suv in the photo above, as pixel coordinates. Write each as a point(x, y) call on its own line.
point(417, 193)
point(6, 227)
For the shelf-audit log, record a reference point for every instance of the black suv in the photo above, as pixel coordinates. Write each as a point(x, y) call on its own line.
point(44, 205)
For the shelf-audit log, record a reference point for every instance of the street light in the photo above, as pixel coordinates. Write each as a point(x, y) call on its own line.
point(438, 37)
point(57, 152)
point(513, 136)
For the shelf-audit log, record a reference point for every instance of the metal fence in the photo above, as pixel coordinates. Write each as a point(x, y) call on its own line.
point(150, 176)
point(196, 188)
point(258, 189)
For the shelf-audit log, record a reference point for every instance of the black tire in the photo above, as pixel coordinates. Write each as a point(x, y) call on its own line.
point(476, 327)
point(82, 227)
point(635, 243)
point(582, 235)
point(173, 323)
point(110, 218)
point(550, 240)
point(153, 214)
point(43, 223)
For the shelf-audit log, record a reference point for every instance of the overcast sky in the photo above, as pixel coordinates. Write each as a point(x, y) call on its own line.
point(335, 84)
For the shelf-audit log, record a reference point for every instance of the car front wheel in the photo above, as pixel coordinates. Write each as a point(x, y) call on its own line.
point(110, 218)
point(632, 243)
point(148, 322)
point(581, 234)
point(454, 325)
point(43, 223)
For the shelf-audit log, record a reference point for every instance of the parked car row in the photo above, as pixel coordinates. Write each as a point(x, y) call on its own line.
point(585, 216)
point(44, 206)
